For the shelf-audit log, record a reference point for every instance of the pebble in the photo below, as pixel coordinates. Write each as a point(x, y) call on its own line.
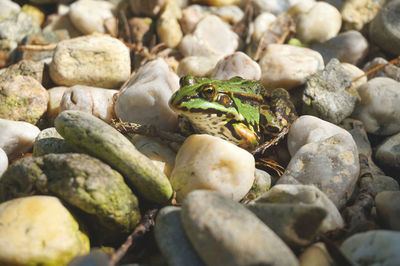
point(23, 99)
point(191, 16)
point(379, 183)
point(62, 22)
point(168, 28)
point(208, 162)
point(141, 29)
point(309, 129)
point(95, 257)
point(144, 98)
point(217, 2)
point(305, 195)
point(17, 27)
point(17, 137)
point(388, 209)
point(96, 101)
point(376, 247)
point(8, 52)
point(37, 16)
point(215, 226)
point(354, 73)
point(237, 64)
point(200, 66)
point(262, 183)
point(50, 141)
point(316, 255)
point(288, 66)
point(97, 60)
point(379, 108)
point(83, 131)
point(331, 164)
point(296, 224)
point(212, 36)
point(357, 13)
point(149, 8)
point(39, 230)
point(327, 94)
point(231, 13)
point(388, 153)
point(88, 16)
point(318, 23)
point(389, 70)
point(79, 180)
point(385, 28)
point(3, 162)
point(8, 8)
point(261, 24)
point(24, 68)
point(53, 107)
point(350, 47)
point(172, 240)
point(271, 6)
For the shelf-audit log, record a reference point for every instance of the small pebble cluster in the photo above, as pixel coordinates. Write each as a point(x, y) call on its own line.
point(70, 182)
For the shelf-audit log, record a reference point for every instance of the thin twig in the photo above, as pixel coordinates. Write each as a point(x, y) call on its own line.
point(38, 47)
point(377, 68)
point(143, 227)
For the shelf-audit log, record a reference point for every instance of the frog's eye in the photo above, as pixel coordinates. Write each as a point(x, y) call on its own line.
point(187, 81)
point(208, 91)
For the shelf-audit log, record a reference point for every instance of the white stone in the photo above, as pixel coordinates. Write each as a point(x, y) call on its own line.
point(53, 107)
point(96, 101)
point(376, 247)
point(39, 230)
point(307, 129)
point(8, 8)
point(212, 36)
point(319, 23)
point(305, 194)
point(62, 22)
point(262, 24)
point(200, 66)
point(93, 60)
point(231, 14)
point(17, 137)
point(273, 6)
point(354, 72)
point(288, 66)
point(191, 16)
point(208, 162)
point(237, 64)
point(88, 16)
point(144, 99)
point(379, 108)
point(168, 29)
point(3, 161)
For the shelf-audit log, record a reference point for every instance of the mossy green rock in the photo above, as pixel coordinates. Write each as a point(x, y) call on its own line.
point(80, 180)
point(50, 141)
point(85, 132)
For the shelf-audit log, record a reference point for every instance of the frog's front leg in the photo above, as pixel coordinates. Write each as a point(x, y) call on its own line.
point(247, 138)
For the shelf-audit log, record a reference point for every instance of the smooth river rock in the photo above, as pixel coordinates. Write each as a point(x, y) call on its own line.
point(388, 209)
point(223, 232)
point(50, 141)
point(85, 132)
point(3, 161)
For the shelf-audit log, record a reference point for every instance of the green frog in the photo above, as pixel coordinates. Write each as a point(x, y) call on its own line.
point(238, 110)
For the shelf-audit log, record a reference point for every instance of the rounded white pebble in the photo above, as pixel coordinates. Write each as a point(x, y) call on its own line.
point(3, 161)
point(208, 162)
point(237, 64)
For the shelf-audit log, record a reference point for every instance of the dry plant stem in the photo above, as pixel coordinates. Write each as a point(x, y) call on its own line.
point(263, 147)
point(357, 216)
point(393, 61)
point(241, 28)
point(147, 130)
point(143, 227)
point(38, 47)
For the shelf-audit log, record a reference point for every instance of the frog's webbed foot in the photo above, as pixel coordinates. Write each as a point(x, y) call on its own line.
point(260, 149)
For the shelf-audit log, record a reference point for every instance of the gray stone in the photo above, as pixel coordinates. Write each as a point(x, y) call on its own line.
point(305, 195)
point(49, 141)
point(379, 107)
point(385, 28)
point(24, 68)
point(223, 232)
point(388, 153)
point(349, 46)
point(296, 224)
point(85, 132)
point(379, 183)
point(327, 94)
point(79, 179)
point(172, 240)
point(388, 208)
point(17, 27)
point(389, 70)
point(377, 247)
point(262, 183)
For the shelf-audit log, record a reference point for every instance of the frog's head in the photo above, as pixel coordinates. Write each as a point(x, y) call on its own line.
point(202, 96)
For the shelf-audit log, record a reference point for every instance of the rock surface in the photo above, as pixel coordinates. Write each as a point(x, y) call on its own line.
point(388, 208)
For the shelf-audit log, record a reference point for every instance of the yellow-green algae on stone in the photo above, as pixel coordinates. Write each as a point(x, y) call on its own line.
point(88, 133)
point(39, 230)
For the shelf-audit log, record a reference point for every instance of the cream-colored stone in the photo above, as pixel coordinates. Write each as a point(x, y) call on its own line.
point(8, 8)
point(354, 73)
point(262, 23)
point(237, 64)
point(288, 66)
point(208, 162)
point(217, 2)
point(88, 16)
point(168, 28)
point(144, 99)
point(96, 101)
point(17, 137)
point(39, 230)
point(53, 107)
point(3, 161)
point(93, 60)
point(200, 66)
